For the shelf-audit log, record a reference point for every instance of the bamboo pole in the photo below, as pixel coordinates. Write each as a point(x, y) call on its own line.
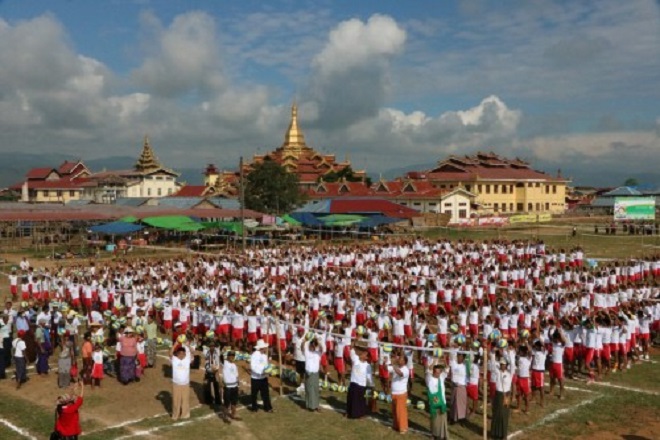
point(485, 391)
point(279, 352)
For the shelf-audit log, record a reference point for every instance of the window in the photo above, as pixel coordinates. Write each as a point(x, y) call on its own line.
point(72, 193)
point(148, 192)
point(530, 207)
point(510, 206)
point(462, 204)
point(504, 188)
point(547, 206)
point(554, 189)
point(529, 184)
point(496, 189)
point(496, 207)
point(503, 207)
point(547, 189)
point(447, 205)
point(538, 206)
point(468, 188)
point(511, 189)
point(487, 189)
point(417, 204)
point(520, 207)
point(479, 188)
point(59, 194)
point(432, 204)
point(520, 185)
point(45, 193)
point(160, 191)
point(462, 213)
point(538, 184)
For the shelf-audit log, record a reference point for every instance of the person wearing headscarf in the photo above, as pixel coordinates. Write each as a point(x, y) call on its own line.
point(128, 358)
point(499, 427)
point(67, 422)
point(435, 388)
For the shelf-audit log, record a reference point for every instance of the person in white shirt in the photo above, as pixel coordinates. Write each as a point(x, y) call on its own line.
point(312, 364)
point(499, 428)
point(180, 359)
point(19, 347)
point(459, 377)
point(400, 374)
point(259, 377)
point(435, 384)
point(230, 389)
point(361, 378)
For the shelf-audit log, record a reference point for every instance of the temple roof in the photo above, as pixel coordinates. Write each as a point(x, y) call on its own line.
point(147, 160)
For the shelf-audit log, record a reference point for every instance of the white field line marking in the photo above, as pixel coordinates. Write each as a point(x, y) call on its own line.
point(578, 389)
point(552, 416)
point(621, 387)
point(132, 422)
point(150, 431)
point(17, 430)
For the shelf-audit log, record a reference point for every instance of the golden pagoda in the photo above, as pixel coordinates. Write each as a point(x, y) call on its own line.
point(297, 157)
point(147, 161)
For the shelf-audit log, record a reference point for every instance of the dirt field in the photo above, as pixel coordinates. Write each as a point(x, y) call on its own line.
point(626, 406)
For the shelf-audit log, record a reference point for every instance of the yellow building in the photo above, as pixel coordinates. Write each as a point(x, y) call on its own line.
point(501, 185)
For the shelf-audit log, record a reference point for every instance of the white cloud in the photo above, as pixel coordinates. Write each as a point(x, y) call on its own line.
point(350, 77)
point(182, 58)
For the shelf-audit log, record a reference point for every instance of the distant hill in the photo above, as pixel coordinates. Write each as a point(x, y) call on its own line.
point(13, 166)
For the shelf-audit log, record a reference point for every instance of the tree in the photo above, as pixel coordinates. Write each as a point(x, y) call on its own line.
point(270, 188)
point(345, 173)
point(631, 181)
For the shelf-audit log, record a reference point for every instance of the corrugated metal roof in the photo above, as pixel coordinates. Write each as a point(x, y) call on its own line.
point(622, 191)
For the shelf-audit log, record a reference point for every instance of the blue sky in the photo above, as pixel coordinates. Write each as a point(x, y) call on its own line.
point(571, 85)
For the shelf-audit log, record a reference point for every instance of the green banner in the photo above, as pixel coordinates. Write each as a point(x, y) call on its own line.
point(634, 208)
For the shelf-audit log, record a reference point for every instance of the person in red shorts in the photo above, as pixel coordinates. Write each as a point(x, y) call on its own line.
point(67, 423)
point(539, 354)
point(557, 366)
point(523, 386)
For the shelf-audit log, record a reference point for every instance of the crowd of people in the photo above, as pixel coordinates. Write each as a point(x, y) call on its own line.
point(360, 315)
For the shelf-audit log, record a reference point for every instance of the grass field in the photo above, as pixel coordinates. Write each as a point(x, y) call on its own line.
point(140, 411)
point(624, 406)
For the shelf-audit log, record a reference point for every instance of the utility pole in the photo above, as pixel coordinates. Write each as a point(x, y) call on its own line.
point(242, 202)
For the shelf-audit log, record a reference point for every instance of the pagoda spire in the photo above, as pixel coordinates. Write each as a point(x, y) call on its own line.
point(294, 139)
point(147, 160)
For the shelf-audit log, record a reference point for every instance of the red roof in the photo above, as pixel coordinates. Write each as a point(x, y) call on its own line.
point(484, 166)
point(53, 216)
point(68, 167)
point(340, 189)
point(65, 184)
point(39, 173)
point(385, 207)
point(191, 191)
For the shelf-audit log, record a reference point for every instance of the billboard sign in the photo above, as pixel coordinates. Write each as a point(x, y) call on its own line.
point(634, 208)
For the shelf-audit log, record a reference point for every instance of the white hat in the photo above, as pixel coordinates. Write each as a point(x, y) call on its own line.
point(128, 329)
point(72, 314)
point(260, 344)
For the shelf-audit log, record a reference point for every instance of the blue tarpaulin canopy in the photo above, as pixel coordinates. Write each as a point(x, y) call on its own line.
point(377, 220)
point(116, 228)
point(306, 218)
